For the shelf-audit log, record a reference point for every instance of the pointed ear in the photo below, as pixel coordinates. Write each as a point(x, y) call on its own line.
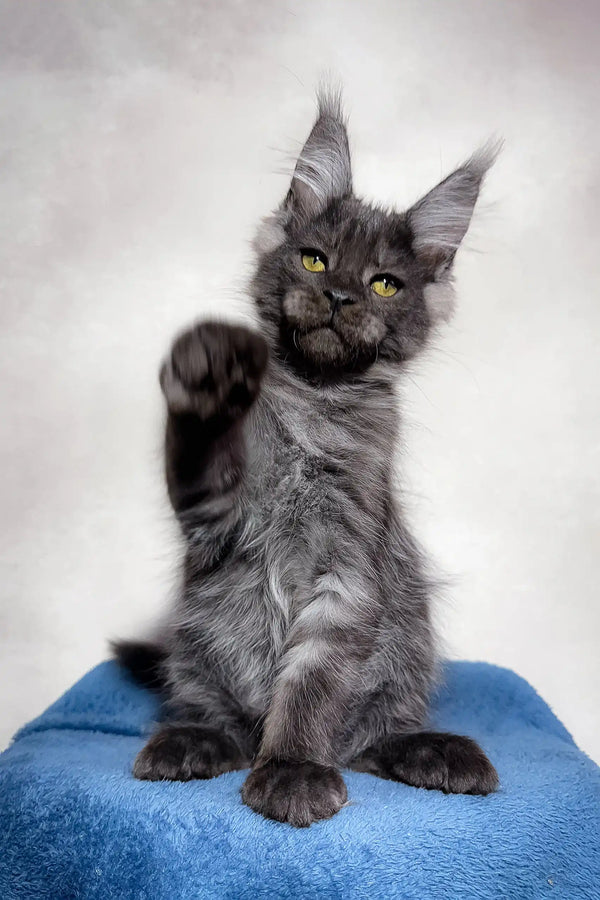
point(323, 171)
point(439, 221)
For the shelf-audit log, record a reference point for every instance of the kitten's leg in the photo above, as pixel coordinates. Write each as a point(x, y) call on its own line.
point(296, 776)
point(438, 761)
point(210, 381)
point(200, 741)
point(181, 752)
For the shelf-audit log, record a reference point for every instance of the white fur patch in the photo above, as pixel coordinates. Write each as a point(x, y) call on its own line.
point(322, 613)
point(294, 304)
point(304, 656)
point(440, 300)
point(334, 604)
point(270, 234)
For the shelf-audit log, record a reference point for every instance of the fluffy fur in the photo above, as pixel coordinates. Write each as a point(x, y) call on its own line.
point(301, 640)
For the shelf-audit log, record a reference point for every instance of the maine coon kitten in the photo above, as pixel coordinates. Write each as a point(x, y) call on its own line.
point(301, 639)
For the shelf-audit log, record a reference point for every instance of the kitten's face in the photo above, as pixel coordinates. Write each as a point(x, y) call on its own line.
point(344, 290)
point(341, 285)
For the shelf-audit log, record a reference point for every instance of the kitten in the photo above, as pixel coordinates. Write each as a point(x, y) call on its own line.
point(301, 640)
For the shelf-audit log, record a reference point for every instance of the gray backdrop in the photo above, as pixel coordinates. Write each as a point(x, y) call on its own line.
point(140, 141)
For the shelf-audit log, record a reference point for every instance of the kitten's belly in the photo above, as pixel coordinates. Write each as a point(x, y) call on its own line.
point(244, 613)
point(293, 515)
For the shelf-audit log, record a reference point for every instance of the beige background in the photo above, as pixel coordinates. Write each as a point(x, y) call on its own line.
point(140, 142)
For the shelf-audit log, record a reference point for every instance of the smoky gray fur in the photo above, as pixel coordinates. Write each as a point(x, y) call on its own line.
point(302, 629)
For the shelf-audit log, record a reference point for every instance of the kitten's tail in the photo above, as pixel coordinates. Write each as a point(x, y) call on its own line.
point(143, 660)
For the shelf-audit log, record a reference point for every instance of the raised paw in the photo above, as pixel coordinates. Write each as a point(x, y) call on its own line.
point(214, 371)
point(184, 752)
point(444, 762)
point(296, 793)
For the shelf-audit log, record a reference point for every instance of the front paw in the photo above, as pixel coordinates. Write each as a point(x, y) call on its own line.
point(438, 761)
point(184, 752)
point(297, 793)
point(214, 371)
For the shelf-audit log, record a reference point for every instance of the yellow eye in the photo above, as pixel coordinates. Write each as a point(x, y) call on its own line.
point(384, 285)
point(313, 260)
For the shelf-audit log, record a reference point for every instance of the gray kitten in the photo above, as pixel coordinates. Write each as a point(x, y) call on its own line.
point(301, 640)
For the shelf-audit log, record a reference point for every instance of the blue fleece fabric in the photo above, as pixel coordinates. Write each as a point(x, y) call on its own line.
point(75, 824)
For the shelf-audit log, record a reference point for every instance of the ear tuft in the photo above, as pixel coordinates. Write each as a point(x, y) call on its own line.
point(323, 170)
point(484, 158)
point(439, 221)
point(330, 103)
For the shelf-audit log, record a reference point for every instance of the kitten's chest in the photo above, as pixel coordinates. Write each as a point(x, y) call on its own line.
point(310, 471)
point(310, 495)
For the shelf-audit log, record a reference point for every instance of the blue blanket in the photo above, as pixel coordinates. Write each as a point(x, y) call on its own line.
point(75, 824)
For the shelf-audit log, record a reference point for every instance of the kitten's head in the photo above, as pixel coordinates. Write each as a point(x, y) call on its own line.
point(341, 284)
